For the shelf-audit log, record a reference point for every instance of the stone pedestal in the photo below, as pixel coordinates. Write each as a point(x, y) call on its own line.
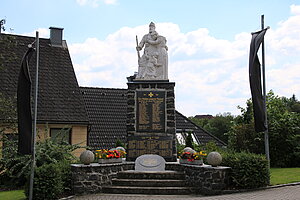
point(151, 119)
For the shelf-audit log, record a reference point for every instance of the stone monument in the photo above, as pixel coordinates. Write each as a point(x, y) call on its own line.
point(151, 102)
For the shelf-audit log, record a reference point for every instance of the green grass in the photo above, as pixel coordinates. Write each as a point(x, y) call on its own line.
point(13, 195)
point(284, 175)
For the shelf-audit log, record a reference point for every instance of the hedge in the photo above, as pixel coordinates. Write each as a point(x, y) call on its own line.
point(249, 170)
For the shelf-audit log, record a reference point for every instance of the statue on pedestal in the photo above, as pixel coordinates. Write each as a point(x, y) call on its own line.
point(153, 64)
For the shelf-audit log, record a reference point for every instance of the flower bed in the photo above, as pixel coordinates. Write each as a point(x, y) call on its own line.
point(109, 156)
point(193, 158)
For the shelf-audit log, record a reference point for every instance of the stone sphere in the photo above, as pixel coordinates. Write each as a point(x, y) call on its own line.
point(121, 148)
point(87, 157)
point(214, 159)
point(189, 149)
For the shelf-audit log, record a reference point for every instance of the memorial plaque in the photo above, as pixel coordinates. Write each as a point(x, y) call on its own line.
point(150, 162)
point(140, 145)
point(150, 111)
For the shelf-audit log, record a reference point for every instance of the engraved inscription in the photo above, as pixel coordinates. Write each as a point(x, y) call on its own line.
point(150, 111)
point(140, 145)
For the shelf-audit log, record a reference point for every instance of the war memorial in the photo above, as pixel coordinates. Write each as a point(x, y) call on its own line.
point(151, 165)
point(151, 106)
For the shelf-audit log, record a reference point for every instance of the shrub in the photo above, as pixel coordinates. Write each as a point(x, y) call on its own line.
point(119, 143)
point(66, 176)
point(189, 140)
point(15, 168)
point(179, 148)
point(248, 170)
point(48, 183)
point(209, 147)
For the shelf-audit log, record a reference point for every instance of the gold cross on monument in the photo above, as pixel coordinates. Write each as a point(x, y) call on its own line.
point(150, 94)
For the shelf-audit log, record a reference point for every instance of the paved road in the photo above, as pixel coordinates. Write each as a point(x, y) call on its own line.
point(279, 193)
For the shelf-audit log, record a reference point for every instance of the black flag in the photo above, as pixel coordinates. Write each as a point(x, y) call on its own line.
point(24, 106)
point(255, 81)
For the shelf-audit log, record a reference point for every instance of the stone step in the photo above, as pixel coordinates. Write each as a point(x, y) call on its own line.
point(149, 182)
point(170, 175)
point(147, 190)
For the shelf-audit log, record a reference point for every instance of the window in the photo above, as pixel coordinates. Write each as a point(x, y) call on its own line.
point(61, 135)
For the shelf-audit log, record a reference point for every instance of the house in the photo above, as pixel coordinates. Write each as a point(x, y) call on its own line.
point(60, 103)
point(90, 116)
point(204, 116)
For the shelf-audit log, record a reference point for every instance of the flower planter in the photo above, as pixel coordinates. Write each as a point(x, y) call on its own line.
point(194, 162)
point(110, 160)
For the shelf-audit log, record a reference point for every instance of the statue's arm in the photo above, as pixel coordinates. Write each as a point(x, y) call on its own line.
point(154, 42)
point(142, 43)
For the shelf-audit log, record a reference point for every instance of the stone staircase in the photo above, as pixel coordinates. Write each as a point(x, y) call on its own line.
point(148, 182)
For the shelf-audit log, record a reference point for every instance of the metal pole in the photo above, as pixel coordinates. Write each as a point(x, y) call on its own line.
point(37, 43)
point(265, 95)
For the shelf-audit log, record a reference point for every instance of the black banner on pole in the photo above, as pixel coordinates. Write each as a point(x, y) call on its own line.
point(24, 106)
point(255, 81)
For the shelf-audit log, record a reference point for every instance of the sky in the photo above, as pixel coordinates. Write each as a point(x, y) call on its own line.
point(208, 43)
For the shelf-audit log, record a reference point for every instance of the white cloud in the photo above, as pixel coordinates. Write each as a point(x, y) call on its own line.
point(211, 74)
point(95, 3)
point(43, 33)
point(295, 9)
point(112, 2)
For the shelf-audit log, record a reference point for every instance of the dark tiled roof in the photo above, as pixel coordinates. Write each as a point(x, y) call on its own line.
point(203, 137)
point(59, 99)
point(107, 110)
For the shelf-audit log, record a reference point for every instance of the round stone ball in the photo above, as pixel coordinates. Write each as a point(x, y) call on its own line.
point(121, 148)
point(87, 157)
point(214, 158)
point(189, 149)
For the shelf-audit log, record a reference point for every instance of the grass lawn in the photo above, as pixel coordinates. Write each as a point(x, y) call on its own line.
point(284, 175)
point(13, 195)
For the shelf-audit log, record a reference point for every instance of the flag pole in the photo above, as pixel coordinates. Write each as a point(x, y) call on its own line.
point(37, 43)
point(265, 96)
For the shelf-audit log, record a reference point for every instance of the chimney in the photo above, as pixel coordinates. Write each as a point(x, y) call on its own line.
point(56, 36)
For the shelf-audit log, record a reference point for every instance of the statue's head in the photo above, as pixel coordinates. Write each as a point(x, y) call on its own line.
point(151, 27)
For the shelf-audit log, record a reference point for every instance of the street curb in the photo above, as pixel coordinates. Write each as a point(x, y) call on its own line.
point(257, 189)
point(283, 185)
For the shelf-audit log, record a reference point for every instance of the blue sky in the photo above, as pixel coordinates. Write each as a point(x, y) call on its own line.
point(208, 43)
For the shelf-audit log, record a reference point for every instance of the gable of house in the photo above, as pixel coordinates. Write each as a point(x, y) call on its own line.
point(60, 103)
point(59, 98)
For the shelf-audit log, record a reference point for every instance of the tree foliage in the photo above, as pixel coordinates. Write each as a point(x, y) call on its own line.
point(17, 167)
point(283, 129)
point(219, 125)
point(189, 140)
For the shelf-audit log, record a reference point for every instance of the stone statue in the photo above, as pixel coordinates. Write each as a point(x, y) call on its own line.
point(153, 64)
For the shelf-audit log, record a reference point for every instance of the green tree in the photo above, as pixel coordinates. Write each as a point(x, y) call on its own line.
point(219, 125)
point(284, 131)
point(200, 122)
point(189, 140)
